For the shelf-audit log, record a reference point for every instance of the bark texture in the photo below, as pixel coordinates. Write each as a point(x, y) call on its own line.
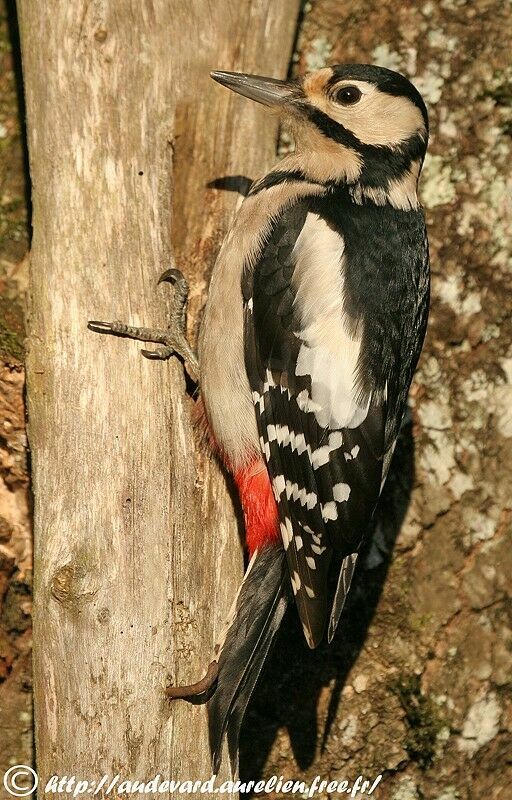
point(16, 722)
point(137, 555)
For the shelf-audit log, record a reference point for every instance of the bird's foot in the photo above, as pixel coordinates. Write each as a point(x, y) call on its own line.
point(199, 692)
point(173, 339)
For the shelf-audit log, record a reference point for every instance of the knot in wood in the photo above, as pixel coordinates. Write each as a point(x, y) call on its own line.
point(61, 585)
point(67, 585)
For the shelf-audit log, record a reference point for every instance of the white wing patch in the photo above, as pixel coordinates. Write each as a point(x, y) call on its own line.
point(330, 348)
point(333, 394)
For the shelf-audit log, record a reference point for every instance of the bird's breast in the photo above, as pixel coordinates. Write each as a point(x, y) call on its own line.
point(224, 385)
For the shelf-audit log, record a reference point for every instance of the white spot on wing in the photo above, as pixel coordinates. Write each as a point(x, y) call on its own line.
point(329, 511)
point(300, 443)
point(259, 401)
point(335, 440)
point(278, 485)
point(311, 500)
point(300, 495)
point(308, 530)
point(286, 532)
point(321, 455)
point(353, 453)
point(304, 401)
point(265, 448)
point(283, 435)
point(269, 381)
point(341, 492)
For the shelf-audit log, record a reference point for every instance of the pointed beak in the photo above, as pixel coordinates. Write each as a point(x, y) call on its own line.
point(268, 91)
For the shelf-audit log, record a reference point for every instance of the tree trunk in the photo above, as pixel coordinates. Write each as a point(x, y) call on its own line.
point(137, 552)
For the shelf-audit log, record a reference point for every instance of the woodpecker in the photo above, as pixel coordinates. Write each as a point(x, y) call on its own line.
point(313, 326)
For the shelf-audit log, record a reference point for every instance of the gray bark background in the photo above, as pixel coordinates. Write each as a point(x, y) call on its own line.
point(417, 685)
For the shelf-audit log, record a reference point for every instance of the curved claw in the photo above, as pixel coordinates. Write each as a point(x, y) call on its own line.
point(99, 327)
point(171, 276)
point(161, 354)
point(198, 692)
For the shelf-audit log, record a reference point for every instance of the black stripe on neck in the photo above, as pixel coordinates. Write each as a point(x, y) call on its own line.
point(381, 164)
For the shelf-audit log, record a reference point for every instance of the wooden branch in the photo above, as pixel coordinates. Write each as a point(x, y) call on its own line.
point(137, 552)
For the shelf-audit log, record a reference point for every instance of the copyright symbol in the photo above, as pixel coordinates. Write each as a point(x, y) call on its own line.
point(20, 781)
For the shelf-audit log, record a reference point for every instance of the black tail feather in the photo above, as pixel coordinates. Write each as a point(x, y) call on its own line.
point(260, 608)
point(347, 569)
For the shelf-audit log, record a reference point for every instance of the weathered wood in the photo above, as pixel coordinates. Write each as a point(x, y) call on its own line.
point(137, 555)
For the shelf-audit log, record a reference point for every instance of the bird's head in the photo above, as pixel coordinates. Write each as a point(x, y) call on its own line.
point(358, 124)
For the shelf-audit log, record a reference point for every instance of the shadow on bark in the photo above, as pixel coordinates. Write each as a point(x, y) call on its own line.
point(14, 36)
point(288, 692)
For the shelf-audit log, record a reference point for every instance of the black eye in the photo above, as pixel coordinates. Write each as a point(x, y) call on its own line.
point(348, 95)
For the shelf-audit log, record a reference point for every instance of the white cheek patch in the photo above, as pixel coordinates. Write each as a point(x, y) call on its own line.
point(378, 118)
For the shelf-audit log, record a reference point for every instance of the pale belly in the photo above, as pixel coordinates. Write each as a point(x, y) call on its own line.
point(224, 385)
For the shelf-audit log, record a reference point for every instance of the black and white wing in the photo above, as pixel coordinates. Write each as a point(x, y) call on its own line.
point(322, 435)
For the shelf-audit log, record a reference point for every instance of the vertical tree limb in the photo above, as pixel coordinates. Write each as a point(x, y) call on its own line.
point(137, 555)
